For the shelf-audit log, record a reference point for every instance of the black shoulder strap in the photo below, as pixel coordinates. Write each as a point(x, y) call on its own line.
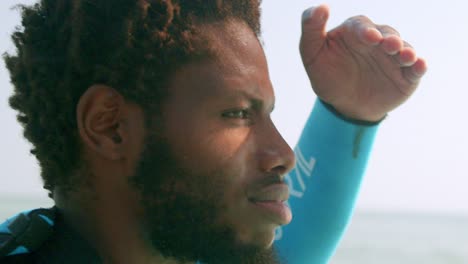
point(28, 230)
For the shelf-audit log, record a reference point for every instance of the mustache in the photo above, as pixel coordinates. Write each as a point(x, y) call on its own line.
point(270, 179)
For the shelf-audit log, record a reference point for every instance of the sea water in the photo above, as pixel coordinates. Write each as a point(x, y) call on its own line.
point(404, 238)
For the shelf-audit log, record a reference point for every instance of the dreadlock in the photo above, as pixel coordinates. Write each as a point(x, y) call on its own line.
point(65, 46)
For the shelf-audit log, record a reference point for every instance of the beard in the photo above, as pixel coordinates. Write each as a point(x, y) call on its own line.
point(182, 211)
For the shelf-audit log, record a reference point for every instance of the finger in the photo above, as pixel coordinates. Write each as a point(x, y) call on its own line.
point(401, 52)
point(414, 73)
point(407, 55)
point(387, 30)
point(366, 31)
point(313, 29)
point(391, 43)
point(314, 19)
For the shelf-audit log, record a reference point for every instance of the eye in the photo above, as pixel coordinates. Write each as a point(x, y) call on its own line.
point(237, 114)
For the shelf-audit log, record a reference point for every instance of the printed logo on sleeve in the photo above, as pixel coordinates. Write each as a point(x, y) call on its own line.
point(296, 180)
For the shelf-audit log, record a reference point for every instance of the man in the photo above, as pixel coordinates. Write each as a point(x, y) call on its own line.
point(151, 123)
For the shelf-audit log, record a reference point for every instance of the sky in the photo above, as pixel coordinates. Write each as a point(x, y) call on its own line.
point(420, 157)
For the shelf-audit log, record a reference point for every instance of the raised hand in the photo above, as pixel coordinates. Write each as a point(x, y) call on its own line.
point(362, 69)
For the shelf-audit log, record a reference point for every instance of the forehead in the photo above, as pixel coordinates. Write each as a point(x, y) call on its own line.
point(230, 41)
point(236, 65)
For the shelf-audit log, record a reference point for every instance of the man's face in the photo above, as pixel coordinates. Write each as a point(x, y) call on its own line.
point(212, 178)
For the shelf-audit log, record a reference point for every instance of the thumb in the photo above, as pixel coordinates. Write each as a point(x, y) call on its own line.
point(313, 31)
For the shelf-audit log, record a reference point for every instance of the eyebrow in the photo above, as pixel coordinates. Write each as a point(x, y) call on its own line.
point(254, 101)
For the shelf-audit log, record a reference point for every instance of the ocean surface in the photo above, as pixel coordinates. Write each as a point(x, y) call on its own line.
point(372, 238)
point(404, 238)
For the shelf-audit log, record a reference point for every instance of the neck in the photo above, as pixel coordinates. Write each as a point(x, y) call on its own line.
point(108, 226)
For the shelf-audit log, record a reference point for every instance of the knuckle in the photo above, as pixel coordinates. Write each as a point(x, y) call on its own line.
point(388, 30)
point(359, 21)
point(406, 44)
point(361, 18)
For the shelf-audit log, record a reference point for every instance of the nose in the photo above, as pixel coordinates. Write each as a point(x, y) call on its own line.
point(274, 153)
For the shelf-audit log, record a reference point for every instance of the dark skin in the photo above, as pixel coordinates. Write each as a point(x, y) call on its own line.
point(218, 118)
point(205, 117)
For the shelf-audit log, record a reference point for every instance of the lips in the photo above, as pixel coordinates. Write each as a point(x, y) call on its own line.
point(269, 201)
point(277, 212)
point(278, 192)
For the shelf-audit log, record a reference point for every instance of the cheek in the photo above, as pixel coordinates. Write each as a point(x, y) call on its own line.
point(226, 158)
point(220, 152)
point(227, 147)
point(214, 149)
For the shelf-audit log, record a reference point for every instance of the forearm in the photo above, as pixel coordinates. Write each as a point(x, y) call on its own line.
point(332, 155)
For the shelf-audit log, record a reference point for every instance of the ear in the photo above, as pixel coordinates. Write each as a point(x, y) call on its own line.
point(100, 113)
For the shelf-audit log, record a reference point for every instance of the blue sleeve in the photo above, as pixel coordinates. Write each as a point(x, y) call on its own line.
point(331, 159)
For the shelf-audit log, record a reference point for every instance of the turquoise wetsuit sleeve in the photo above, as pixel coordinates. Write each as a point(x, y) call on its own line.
point(331, 158)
